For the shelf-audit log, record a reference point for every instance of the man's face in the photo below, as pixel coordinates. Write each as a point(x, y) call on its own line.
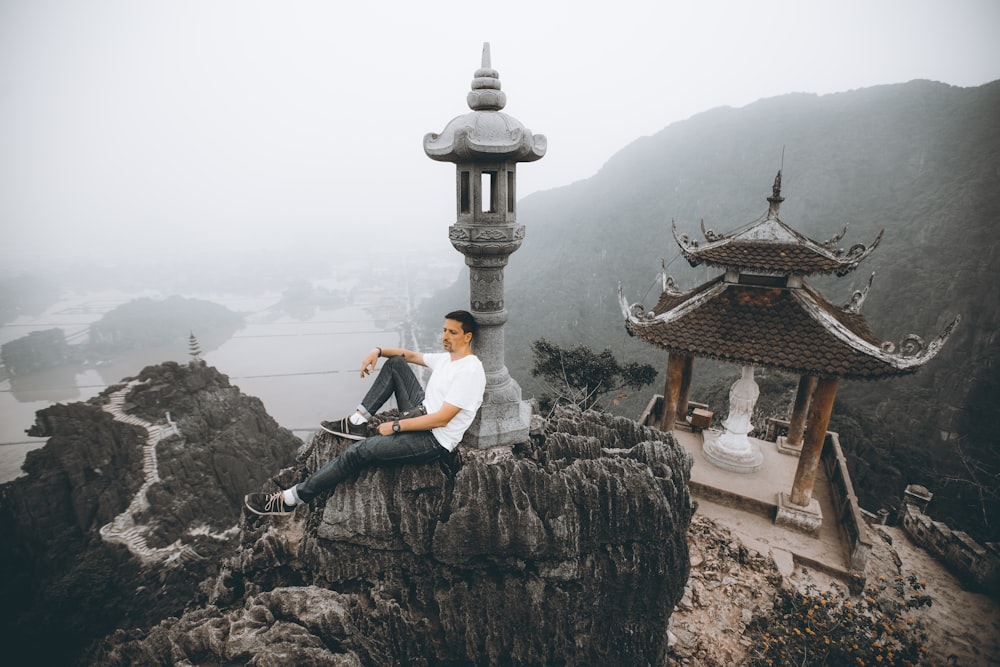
point(453, 336)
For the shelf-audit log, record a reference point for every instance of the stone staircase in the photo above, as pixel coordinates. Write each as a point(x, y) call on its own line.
point(123, 529)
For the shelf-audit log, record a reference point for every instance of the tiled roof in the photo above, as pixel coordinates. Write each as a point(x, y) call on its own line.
point(772, 247)
point(794, 330)
point(766, 257)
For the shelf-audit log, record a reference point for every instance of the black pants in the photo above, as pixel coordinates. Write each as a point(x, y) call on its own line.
point(395, 378)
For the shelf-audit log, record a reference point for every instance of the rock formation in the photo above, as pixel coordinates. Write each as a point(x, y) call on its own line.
point(569, 549)
point(129, 506)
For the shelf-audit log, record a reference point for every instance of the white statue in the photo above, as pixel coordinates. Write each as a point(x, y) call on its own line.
point(733, 450)
point(742, 399)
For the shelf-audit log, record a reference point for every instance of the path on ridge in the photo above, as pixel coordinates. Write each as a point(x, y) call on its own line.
point(123, 529)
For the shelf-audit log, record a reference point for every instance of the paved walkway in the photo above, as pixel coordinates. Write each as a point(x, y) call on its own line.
point(746, 503)
point(124, 529)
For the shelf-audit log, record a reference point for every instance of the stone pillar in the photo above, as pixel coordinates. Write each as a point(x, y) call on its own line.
point(800, 511)
point(685, 390)
point(504, 418)
point(820, 409)
point(485, 145)
point(672, 390)
point(792, 443)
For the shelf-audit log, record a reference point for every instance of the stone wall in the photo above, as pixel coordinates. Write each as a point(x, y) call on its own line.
point(973, 563)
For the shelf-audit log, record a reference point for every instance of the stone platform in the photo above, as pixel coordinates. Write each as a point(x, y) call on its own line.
point(747, 504)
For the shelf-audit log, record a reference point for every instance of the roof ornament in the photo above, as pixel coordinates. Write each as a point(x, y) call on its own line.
point(859, 251)
point(682, 240)
point(667, 283)
point(858, 298)
point(831, 244)
point(633, 312)
point(774, 201)
point(710, 235)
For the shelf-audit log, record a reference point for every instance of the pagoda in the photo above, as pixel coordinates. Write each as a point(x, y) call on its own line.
point(761, 313)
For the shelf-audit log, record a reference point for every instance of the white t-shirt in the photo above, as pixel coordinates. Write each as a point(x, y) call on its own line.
point(460, 383)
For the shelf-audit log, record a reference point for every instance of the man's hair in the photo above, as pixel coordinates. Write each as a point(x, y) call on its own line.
point(465, 318)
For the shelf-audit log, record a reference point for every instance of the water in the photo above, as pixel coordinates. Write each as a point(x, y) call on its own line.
point(304, 370)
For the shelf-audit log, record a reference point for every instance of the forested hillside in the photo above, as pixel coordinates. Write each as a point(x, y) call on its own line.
point(920, 160)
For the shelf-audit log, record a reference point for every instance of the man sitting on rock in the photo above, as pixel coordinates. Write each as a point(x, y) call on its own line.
point(431, 422)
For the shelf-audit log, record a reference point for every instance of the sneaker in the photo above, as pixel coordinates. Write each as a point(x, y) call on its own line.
point(265, 504)
point(345, 429)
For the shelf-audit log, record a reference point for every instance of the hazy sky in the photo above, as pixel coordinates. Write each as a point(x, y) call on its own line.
point(150, 125)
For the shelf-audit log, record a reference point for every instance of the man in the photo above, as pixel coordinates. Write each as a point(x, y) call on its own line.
point(431, 422)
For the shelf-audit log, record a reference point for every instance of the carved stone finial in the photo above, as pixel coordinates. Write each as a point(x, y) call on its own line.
point(486, 94)
point(774, 201)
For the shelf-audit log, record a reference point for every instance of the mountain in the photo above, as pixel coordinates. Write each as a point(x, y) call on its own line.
point(129, 506)
point(918, 160)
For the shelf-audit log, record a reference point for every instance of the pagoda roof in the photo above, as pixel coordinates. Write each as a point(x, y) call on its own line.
point(771, 247)
point(788, 328)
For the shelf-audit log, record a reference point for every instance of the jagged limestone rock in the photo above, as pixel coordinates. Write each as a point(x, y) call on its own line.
point(570, 549)
point(125, 511)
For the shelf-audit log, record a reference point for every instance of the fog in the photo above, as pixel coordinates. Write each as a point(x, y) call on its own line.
point(162, 130)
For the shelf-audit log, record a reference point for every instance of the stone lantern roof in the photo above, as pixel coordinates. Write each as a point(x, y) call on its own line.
point(771, 247)
point(486, 133)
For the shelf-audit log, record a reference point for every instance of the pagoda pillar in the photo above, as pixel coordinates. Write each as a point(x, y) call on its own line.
point(820, 409)
point(672, 389)
point(792, 443)
point(685, 389)
point(800, 511)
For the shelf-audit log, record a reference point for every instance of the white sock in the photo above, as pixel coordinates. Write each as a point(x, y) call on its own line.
point(358, 419)
point(290, 497)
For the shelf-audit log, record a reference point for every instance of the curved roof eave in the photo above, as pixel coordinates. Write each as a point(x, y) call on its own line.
point(886, 360)
point(915, 353)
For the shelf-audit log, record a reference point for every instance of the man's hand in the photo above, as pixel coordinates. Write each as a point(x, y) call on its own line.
point(385, 428)
point(368, 365)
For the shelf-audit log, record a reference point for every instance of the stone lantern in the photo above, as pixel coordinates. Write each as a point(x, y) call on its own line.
point(486, 146)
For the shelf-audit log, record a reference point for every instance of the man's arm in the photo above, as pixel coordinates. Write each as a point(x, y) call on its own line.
point(368, 365)
point(423, 422)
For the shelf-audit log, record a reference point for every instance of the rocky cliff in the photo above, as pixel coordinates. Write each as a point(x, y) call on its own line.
point(570, 549)
point(128, 507)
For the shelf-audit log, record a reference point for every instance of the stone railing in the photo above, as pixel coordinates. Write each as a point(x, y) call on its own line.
point(653, 412)
point(968, 560)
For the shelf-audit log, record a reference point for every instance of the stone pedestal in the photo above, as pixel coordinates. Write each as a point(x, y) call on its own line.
point(732, 452)
point(806, 519)
point(786, 447)
point(503, 419)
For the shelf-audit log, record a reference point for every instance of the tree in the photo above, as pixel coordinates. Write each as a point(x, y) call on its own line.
point(580, 376)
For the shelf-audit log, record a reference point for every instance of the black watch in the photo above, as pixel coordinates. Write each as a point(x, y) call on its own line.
point(395, 426)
